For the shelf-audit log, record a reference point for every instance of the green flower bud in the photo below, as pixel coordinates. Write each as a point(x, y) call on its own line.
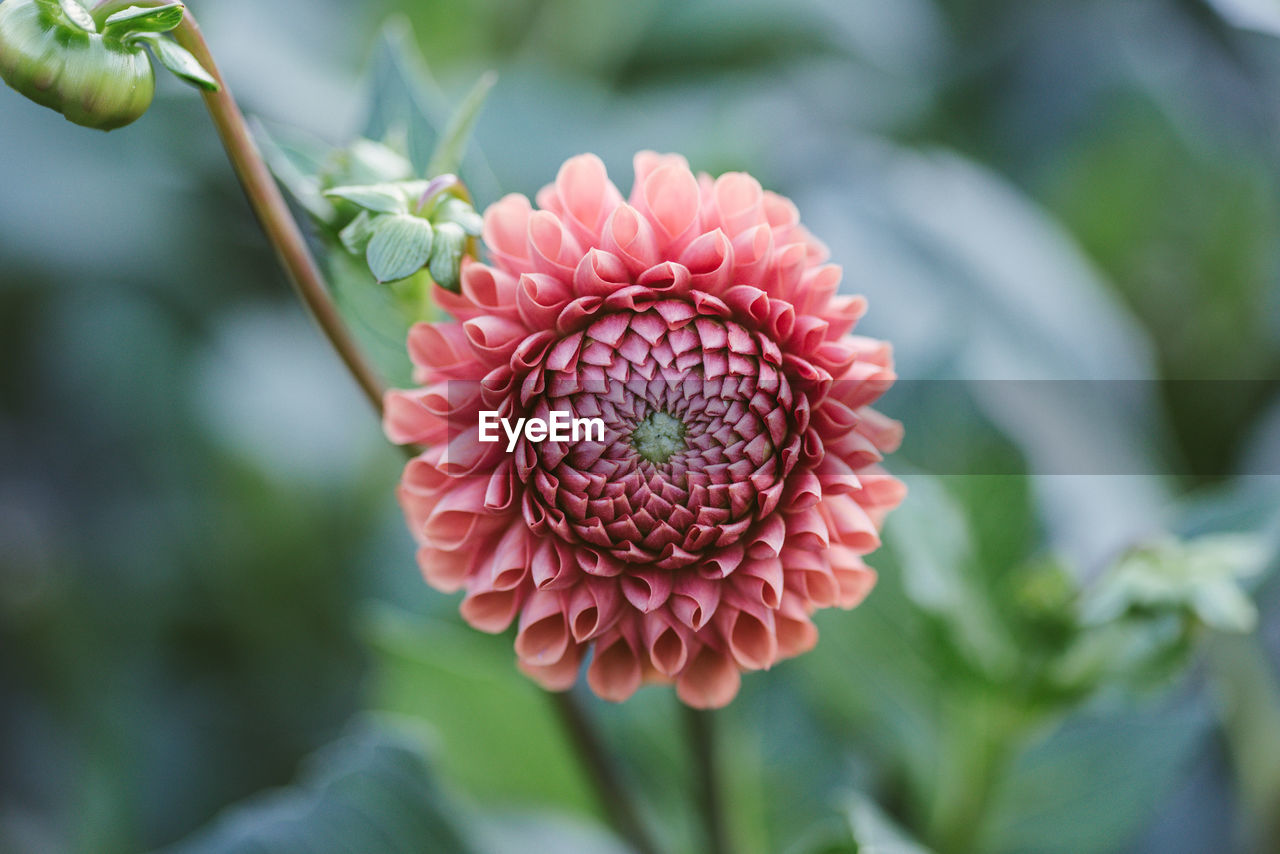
point(93, 70)
point(54, 55)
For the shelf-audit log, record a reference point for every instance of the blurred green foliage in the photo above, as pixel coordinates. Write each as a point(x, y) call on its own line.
point(204, 577)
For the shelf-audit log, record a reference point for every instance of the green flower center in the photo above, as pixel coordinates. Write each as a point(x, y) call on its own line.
point(658, 437)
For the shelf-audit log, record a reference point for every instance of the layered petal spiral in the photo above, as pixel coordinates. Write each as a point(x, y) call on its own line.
point(737, 485)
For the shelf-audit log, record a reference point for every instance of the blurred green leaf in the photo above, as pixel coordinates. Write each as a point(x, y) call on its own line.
point(371, 792)
point(875, 833)
point(498, 735)
point(399, 247)
point(1091, 785)
point(452, 146)
point(296, 164)
point(940, 574)
point(1248, 697)
point(378, 198)
point(366, 161)
point(998, 291)
point(374, 313)
point(1201, 576)
point(877, 681)
point(406, 100)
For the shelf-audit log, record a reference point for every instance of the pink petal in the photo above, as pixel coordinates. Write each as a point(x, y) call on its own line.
point(584, 196)
point(709, 681)
point(669, 198)
point(694, 600)
point(630, 237)
point(543, 637)
point(749, 634)
point(444, 570)
point(558, 675)
point(506, 231)
point(615, 672)
point(664, 639)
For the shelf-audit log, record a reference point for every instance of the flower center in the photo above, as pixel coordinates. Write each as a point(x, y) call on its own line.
point(658, 437)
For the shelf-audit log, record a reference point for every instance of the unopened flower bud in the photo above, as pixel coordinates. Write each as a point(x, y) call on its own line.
point(93, 70)
point(59, 63)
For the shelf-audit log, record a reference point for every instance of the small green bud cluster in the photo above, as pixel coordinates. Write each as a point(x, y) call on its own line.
point(401, 224)
point(91, 67)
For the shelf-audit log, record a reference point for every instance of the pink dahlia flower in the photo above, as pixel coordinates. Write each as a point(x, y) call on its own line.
point(738, 484)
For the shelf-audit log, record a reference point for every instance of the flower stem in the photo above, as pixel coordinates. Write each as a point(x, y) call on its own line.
point(273, 213)
point(291, 248)
point(701, 728)
point(595, 758)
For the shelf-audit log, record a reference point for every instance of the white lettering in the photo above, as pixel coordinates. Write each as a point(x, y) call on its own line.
point(513, 434)
point(488, 426)
point(560, 427)
point(593, 427)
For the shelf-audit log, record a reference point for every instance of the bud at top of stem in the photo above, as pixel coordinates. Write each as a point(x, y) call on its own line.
point(91, 67)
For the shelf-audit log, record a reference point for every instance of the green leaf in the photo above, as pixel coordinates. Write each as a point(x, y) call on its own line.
point(374, 313)
point(179, 61)
point(400, 247)
point(931, 539)
point(143, 19)
point(1250, 709)
point(499, 736)
point(379, 198)
point(966, 250)
point(453, 142)
point(78, 15)
point(876, 833)
point(296, 166)
point(1201, 576)
point(372, 792)
point(1095, 782)
point(407, 100)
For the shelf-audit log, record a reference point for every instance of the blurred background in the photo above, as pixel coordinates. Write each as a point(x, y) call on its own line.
point(204, 577)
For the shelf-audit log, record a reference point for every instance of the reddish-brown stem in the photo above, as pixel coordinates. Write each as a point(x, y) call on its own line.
point(282, 231)
point(273, 213)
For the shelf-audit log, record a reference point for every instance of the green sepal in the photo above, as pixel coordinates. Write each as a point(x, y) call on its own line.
point(78, 15)
point(378, 198)
point(355, 237)
point(445, 263)
point(143, 19)
point(178, 60)
point(400, 247)
point(454, 209)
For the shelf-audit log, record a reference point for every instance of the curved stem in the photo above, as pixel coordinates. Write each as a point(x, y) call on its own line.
point(274, 215)
point(595, 757)
point(702, 739)
point(291, 248)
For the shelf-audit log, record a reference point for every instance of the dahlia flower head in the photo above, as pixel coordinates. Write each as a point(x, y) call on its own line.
point(738, 486)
